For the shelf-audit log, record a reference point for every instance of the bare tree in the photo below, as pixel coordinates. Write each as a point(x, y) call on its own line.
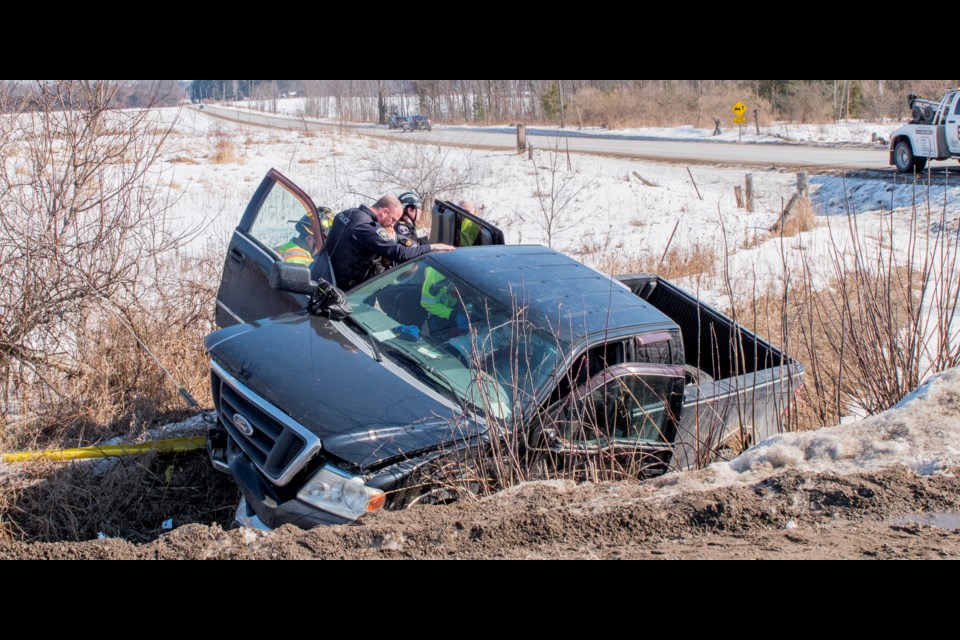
point(82, 217)
point(558, 193)
point(423, 169)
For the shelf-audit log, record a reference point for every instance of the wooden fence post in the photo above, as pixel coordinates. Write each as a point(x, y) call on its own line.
point(521, 138)
point(749, 190)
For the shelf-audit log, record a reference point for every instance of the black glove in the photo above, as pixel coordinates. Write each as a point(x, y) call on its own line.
point(329, 300)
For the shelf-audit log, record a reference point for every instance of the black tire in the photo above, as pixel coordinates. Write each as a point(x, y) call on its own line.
point(903, 157)
point(443, 481)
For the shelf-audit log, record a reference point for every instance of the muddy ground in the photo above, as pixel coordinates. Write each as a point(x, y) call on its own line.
point(791, 515)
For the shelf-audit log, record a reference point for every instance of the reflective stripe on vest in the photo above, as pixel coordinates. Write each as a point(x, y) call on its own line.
point(292, 252)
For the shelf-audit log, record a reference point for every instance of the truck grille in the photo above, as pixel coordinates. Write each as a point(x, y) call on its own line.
point(277, 444)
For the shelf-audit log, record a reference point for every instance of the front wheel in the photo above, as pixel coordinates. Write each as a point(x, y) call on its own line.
point(442, 481)
point(903, 157)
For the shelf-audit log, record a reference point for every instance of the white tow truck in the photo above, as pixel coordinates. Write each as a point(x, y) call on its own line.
point(933, 133)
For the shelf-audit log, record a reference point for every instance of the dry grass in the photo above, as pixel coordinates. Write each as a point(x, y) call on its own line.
point(658, 104)
point(778, 321)
point(801, 219)
point(119, 497)
point(224, 152)
point(268, 140)
point(812, 327)
point(182, 160)
point(678, 263)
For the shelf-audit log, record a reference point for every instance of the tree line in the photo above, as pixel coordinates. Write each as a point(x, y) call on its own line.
point(32, 95)
point(576, 103)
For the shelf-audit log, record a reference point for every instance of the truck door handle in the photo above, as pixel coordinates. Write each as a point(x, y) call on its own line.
point(237, 255)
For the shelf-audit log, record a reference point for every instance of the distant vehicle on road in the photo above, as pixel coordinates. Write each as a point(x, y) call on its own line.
point(420, 123)
point(399, 122)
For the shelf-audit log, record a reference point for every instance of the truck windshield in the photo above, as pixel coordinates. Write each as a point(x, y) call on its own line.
point(483, 351)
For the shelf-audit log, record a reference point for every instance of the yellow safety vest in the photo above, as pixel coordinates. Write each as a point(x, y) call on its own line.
point(437, 295)
point(469, 230)
point(293, 252)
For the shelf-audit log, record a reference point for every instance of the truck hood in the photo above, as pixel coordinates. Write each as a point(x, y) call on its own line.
point(365, 412)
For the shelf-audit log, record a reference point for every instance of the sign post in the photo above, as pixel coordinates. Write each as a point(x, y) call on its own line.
point(739, 109)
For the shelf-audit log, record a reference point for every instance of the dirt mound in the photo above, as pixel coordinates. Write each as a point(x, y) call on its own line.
point(792, 515)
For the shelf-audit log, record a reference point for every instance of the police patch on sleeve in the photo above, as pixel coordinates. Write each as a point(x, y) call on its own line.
point(383, 233)
point(407, 242)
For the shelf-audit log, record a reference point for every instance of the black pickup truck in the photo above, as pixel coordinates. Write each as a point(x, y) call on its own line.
point(323, 418)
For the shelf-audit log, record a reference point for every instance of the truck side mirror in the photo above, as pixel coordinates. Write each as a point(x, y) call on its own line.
point(295, 278)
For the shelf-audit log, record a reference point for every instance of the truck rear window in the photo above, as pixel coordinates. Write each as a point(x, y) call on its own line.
point(661, 347)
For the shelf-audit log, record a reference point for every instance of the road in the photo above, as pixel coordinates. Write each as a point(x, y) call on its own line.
point(765, 155)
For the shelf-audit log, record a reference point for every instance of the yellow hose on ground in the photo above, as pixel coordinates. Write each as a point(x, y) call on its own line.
point(109, 450)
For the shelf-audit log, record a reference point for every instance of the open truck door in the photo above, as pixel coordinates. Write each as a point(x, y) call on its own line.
point(268, 225)
point(454, 226)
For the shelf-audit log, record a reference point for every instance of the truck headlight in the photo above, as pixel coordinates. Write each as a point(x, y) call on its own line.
point(341, 494)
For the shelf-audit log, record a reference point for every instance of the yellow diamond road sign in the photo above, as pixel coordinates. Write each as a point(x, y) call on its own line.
point(739, 108)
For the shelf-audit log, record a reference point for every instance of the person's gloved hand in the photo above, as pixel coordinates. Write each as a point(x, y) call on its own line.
point(408, 332)
point(463, 322)
point(329, 300)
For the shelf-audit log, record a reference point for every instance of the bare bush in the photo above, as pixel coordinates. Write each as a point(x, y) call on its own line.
point(424, 169)
point(886, 321)
point(561, 191)
point(121, 497)
point(82, 224)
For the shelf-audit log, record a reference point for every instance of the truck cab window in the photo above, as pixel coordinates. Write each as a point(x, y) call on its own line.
point(276, 224)
point(631, 407)
point(660, 347)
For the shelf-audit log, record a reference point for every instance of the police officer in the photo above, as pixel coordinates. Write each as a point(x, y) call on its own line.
point(359, 238)
point(406, 228)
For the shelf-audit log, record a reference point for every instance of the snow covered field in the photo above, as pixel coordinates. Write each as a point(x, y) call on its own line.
point(593, 208)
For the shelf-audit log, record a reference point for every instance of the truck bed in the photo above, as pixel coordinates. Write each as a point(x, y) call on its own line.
point(747, 386)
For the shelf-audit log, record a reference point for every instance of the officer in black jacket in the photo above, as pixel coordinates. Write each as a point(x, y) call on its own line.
point(359, 238)
point(406, 228)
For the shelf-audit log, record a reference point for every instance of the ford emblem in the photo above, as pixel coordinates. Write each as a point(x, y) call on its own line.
point(242, 425)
